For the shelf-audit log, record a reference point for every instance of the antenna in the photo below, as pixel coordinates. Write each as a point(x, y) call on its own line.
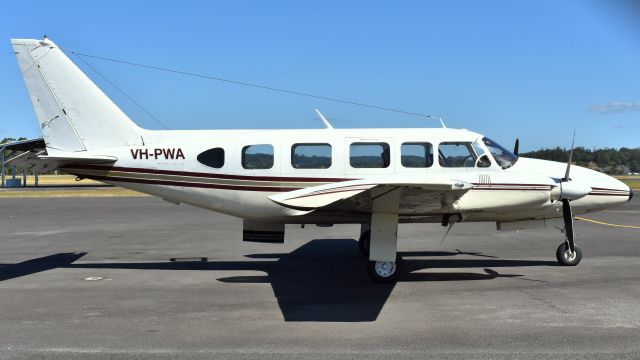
point(439, 118)
point(326, 122)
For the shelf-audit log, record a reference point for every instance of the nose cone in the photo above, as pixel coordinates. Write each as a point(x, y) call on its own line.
point(606, 191)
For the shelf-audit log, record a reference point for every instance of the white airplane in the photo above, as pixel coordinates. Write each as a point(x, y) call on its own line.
point(374, 177)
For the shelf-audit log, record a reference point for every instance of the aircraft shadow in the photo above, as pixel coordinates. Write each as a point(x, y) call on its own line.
point(323, 280)
point(33, 266)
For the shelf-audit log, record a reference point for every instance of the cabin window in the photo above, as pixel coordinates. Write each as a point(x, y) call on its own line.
point(257, 156)
point(213, 158)
point(416, 155)
point(369, 155)
point(456, 154)
point(311, 156)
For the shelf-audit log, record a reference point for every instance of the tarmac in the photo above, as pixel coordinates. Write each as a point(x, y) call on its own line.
point(89, 278)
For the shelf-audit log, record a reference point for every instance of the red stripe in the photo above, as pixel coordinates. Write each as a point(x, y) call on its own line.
point(204, 175)
point(607, 189)
point(512, 188)
point(508, 184)
point(191, 184)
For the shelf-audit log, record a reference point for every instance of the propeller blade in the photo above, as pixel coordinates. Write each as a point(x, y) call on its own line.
point(516, 147)
point(566, 174)
point(567, 215)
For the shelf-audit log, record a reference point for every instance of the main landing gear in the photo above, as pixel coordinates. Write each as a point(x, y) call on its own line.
point(379, 271)
point(385, 271)
point(379, 236)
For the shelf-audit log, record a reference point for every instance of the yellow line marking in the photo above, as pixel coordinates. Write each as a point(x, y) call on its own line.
point(608, 224)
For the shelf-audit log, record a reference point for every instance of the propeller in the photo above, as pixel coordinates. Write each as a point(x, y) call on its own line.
point(569, 191)
point(516, 147)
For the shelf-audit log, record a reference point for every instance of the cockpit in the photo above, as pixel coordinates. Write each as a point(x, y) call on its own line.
point(457, 154)
point(503, 157)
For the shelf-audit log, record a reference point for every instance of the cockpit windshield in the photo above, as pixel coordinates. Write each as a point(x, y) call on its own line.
point(504, 157)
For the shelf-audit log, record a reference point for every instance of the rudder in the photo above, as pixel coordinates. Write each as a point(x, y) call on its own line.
point(74, 114)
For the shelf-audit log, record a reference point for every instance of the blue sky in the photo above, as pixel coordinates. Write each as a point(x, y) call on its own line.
point(530, 69)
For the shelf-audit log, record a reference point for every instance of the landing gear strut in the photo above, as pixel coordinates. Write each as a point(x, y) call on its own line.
point(364, 243)
point(566, 257)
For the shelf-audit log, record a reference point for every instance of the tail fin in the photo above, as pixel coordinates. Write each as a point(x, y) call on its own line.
point(74, 114)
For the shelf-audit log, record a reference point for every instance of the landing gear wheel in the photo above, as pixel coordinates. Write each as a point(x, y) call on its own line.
point(363, 243)
point(566, 258)
point(384, 271)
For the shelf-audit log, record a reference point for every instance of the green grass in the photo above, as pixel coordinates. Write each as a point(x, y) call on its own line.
point(109, 192)
point(633, 181)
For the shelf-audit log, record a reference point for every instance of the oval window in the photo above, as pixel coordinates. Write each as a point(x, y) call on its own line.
point(213, 158)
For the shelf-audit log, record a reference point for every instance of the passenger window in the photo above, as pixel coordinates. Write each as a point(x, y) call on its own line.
point(311, 156)
point(369, 155)
point(213, 158)
point(257, 156)
point(416, 155)
point(456, 154)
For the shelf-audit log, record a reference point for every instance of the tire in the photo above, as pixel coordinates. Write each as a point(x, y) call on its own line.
point(385, 271)
point(363, 243)
point(565, 259)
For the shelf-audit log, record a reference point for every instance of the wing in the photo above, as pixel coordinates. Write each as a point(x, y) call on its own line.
point(417, 196)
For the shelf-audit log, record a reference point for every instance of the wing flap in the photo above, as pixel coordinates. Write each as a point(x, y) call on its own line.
point(361, 192)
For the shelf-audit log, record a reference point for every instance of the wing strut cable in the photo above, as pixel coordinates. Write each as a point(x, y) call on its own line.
point(121, 91)
point(242, 83)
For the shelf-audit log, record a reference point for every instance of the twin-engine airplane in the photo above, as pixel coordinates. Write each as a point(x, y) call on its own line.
point(374, 177)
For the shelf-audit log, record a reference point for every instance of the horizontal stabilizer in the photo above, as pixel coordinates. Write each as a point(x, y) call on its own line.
point(33, 160)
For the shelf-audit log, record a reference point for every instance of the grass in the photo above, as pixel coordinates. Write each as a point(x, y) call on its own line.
point(108, 192)
point(61, 180)
point(633, 181)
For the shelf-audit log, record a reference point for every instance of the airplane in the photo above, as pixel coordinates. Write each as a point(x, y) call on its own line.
point(377, 178)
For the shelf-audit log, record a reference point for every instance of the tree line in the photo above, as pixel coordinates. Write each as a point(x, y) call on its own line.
point(612, 161)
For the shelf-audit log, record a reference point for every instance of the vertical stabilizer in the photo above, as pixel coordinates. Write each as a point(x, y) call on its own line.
point(74, 114)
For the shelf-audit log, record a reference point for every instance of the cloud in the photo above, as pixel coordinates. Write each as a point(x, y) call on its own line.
point(615, 107)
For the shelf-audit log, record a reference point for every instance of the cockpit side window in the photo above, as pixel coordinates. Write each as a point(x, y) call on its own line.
point(483, 159)
point(504, 157)
point(456, 154)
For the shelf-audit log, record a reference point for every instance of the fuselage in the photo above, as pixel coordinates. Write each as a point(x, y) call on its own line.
point(234, 172)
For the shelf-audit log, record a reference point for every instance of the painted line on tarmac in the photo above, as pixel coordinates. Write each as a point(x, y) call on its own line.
point(606, 223)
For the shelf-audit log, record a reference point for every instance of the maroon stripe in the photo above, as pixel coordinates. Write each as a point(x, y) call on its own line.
point(204, 175)
point(510, 189)
point(328, 192)
point(607, 189)
point(507, 184)
point(190, 184)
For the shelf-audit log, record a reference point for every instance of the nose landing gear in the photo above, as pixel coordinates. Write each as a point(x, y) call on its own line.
point(566, 257)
